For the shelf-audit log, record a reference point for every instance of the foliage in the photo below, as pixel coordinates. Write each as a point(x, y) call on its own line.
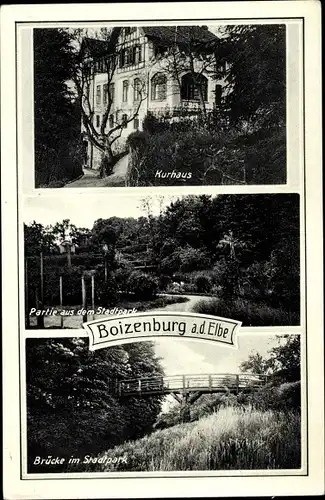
point(71, 404)
point(231, 439)
point(58, 151)
point(202, 283)
point(138, 140)
point(143, 285)
point(246, 247)
point(248, 312)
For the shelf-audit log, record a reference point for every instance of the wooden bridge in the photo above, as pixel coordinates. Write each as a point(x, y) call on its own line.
point(188, 388)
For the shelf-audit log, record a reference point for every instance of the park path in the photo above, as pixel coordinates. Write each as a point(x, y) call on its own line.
point(187, 306)
point(91, 177)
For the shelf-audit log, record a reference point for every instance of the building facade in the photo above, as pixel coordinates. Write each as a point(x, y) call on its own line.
point(168, 71)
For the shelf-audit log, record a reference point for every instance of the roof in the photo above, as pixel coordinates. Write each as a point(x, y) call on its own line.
point(180, 34)
point(198, 36)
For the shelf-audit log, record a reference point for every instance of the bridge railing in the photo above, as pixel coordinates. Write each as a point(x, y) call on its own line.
point(192, 382)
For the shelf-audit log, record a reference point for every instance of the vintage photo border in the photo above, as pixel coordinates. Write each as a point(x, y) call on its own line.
point(113, 192)
point(304, 337)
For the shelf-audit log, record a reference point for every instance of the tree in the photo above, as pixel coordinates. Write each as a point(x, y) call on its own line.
point(256, 73)
point(282, 362)
point(104, 51)
point(189, 51)
point(57, 150)
point(72, 406)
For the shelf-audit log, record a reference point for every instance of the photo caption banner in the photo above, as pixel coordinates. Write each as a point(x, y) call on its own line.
point(143, 326)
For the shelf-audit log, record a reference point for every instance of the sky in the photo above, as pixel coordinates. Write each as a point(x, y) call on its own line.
point(84, 209)
point(182, 356)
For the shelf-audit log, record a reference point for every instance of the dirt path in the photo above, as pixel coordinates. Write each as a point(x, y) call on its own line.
point(91, 177)
point(182, 306)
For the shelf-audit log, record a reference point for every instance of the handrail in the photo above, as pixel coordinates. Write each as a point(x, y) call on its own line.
point(205, 382)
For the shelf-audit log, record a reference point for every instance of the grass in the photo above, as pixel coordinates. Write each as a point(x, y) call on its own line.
point(231, 439)
point(250, 313)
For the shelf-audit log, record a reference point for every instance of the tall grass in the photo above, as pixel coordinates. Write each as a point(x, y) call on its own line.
point(233, 438)
point(249, 312)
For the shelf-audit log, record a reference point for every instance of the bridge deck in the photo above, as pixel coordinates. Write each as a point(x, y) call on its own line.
point(209, 383)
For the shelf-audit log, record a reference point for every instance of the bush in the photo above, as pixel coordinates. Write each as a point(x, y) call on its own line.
point(186, 259)
point(143, 285)
point(138, 140)
point(249, 313)
point(202, 283)
point(283, 397)
point(106, 292)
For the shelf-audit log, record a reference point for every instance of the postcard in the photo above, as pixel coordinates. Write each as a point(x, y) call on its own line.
point(162, 250)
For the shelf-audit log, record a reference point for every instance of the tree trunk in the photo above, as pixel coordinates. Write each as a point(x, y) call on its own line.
point(107, 160)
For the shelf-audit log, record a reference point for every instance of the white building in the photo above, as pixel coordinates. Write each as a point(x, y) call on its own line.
point(164, 70)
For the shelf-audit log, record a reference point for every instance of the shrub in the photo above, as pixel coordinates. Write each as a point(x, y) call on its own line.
point(202, 283)
point(138, 140)
point(106, 166)
point(283, 397)
point(143, 285)
point(106, 291)
point(249, 313)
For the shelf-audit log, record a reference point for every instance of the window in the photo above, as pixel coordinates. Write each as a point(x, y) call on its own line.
point(97, 121)
point(137, 90)
point(136, 54)
point(130, 56)
point(218, 94)
point(126, 57)
point(159, 87)
point(105, 92)
point(98, 95)
point(124, 121)
point(112, 91)
point(125, 91)
point(136, 123)
point(111, 121)
point(193, 87)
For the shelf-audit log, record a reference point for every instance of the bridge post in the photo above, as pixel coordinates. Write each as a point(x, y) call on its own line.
point(210, 383)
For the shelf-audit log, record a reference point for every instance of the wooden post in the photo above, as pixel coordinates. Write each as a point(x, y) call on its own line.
point(61, 302)
point(210, 383)
point(84, 297)
point(42, 278)
point(93, 294)
point(26, 295)
point(39, 319)
point(139, 385)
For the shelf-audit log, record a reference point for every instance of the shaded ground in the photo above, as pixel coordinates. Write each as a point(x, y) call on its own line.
point(91, 177)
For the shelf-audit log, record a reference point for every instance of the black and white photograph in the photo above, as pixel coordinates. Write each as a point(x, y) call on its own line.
point(159, 105)
point(234, 256)
point(168, 405)
point(162, 337)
